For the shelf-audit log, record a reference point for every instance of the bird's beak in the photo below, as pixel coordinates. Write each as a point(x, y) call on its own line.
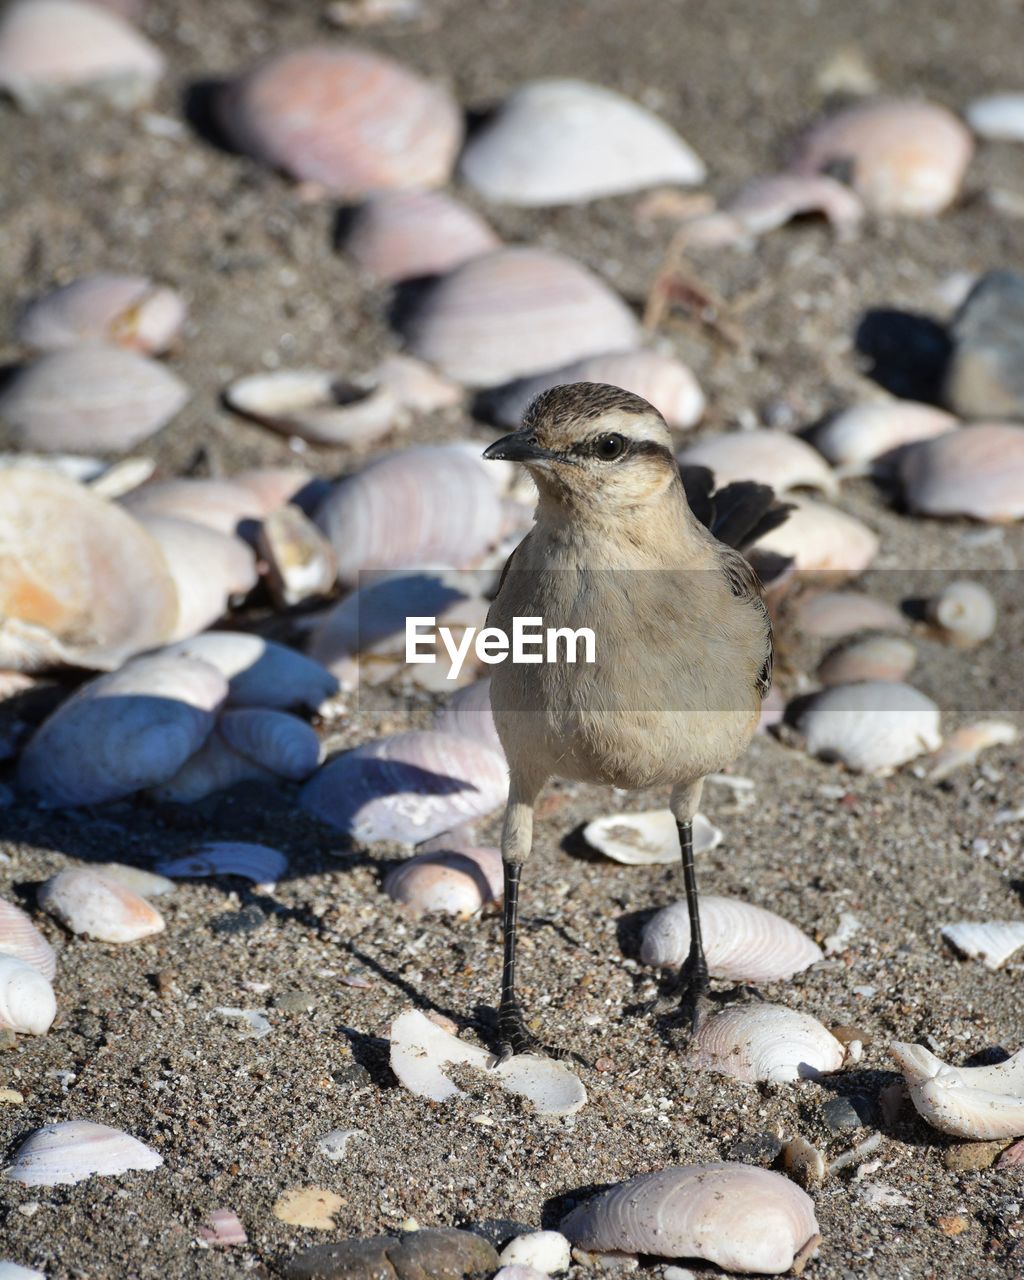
point(520, 446)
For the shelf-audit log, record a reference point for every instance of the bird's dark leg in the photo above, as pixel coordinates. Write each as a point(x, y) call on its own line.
point(694, 974)
point(513, 1036)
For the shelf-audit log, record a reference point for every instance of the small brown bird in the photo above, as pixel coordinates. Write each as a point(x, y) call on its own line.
point(683, 645)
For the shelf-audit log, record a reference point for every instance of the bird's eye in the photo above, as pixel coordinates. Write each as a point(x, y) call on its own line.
point(610, 447)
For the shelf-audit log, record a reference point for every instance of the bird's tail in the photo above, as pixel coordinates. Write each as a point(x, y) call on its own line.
point(738, 515)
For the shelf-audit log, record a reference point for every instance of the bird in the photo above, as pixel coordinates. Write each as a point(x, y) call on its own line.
point(682, 636)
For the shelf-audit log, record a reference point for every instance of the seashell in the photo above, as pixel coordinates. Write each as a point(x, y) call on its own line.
point(742, 942)
point(771, 201)
point(415, 385)
point(259, 672)
point(79, 579)
point(968, 1102)
point(640, 839)
point(27, 1003)
point(86, 902)
point(872, 658)
point(964, 745)
point(456, 883)
point(964, 612)
point(145, 883)
point(546, 1252)
point(61, 1155)
point(420, 1050)
point(399, 235)
point(123, 732)
point(348, 119)
point(560, 141)
point(872, 727)
point(662, 380)
point(316, 406)
point(819, 538)
point(121, 477)
point(334, 1145)
point(753, 1042)
point(279, 742)
point(90, 397)
point(431, 505)
point(11, 1271)
point(772, 457)
point(901, 157)
point(468, 713)
point(214, 767)
point(222, 1229)
point(21, 939)
point(1012, 1157)
point(977, 471)
point(256, 862)
point(735, 1215)
point(803, 1162)
point(53, 47)
point(998, 115)
point(273, 487)
point(124, 310)
point(221, 505)
point(860, 438)
point(991, 941)
point(300, 562)
point(515, 312)
point(370, 13)
point(408, 787)
point(832, 614)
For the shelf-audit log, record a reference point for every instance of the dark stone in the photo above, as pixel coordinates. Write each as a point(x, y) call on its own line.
point(985, 373)
point(445, 1254)
point(354, 1076)
point(759, 1148)
point(498, 1231)
point(347, 1260)
point(851, 1112)
point(248, 919)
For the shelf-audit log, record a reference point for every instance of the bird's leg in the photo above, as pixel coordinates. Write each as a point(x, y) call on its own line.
point(516, 844)
point(694, 973)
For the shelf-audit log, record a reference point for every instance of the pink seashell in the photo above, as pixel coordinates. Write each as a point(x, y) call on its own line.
point(772, 201)
point(222, 1229)
point(902, 157)
point(977, 471)
point(415, 385)
point(822, 539)
point(351, 120)
point(259, 672)
point(218, 504)
point(872, 658)
point(273, 487)
point(515, 312)
point(773, 457)
point(127, 311)
point(255, 862)
point(754, 1042)
point(27, 1003)
point(67, 1153)
point(398, 235)
point(316, 406)
point(456, 883)
point(833, 614)
point(468, 713)
point(21, 939)
point(88, 903)
point(865, 435)
point(285, 745)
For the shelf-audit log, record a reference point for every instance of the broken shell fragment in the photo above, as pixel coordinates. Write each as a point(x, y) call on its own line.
point(832, 614)
point(88, 903)
point(968, 1102)
point(872, 727)
point(123, 310)
point(221, 505)
point(456, 882)
point(300, 562)
point(990, 941)
point(21, 939)
point(67, 1153)
point(401, 235)
point(964, 745)
point(822, 539)
point(415, 385)
point(753, 1042)
point(27, 1003)
point(964, 612)
point(859, 439)
point(998, 115)
point(640, 839)
point(871, 658)
point(316, 406)
point(256, 862)
point(773, 200)
point(222, 1229)
point(259, 673)
point(738, 1216)
point(772, 457)
point(977, 471)
point(543, 1252)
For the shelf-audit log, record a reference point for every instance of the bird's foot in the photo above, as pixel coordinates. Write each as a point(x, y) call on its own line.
point(694, 990)
point(514, 1038)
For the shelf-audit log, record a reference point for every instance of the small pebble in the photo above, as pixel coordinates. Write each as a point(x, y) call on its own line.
point(296, 1002)
point(760, 1148)
point(984, 377)
point(846, 1113)
point(952, 1226)
point(967, 1157)
point(11, 1096)
point(248, 919)
point(546, 1251)
point(447, 1254)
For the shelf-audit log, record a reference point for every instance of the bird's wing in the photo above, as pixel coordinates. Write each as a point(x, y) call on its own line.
point(508, 563)
point(746, 585)
point(737, 515)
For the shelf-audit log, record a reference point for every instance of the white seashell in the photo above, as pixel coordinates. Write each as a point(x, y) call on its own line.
point(803, 1162)
point(126, 311)
point(662, 380)
point(259, 672)
point(872, 727)
point(255, 862)
point(771, 201)
point(272, 487)
point(514, 1272)
point(991, 941)
point(902, 157)
point(27, 1002)
point(300, 562)
point(334, 1145)
point(408, 788)
point(832, 614)
point(977, 471)
point(567, 141)
point(963, 746)
point(735, 1215)
point(753, 1042)
point(255, 1024)
point(772, 457)
point(415, 385)
point(279, 742)
point(819, 538)
point(11, 1271)
point(60, 1155)
point(872, 658)
point(515, 312)
point(640, 839)
point(123, 732)
point(859, 438)
point(421, 1050)
point(145, 883)
point(218, 504)
point(456, 883)
point(741, 941)
point(546, 1251)
point(222, 1229)
point(399, 235)
point(467, 712)
point(848, 928)
point(214, 767)
point(316, 406)
point(88, 903)
point(122, 477)
point(998, 115)
point(968, 1102)
point(964, 612)
point(21, 939)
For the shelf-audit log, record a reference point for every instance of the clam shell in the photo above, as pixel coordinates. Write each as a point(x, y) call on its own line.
point(60, 1155)
point(408, 788)
point(272, 487)
point(27, 1002)
point(832, 614)
point(515, 312)
point(543, 1253)
point(456, 883)
point(742, 942)
point(11, 1271)
point(256, 862)
point(214, 767)
point(964, 745)
point(415, 385)
point(753, 1042)
point(772, 457)
point(902, 157)
point(259, 672)
point(872, 658)
point(735, 1215)
point(977, 471)
point(279, 742)
point(317, 406)
point(992, 942)
point(773, 200)
point(399, 235)
point(351, 120)
point(968, 1102)
point(964, 612)
point(998, 115)
point(872, 727)
point(640, 839)
point(145, 883)
point(467, 712)
point(87, 902)
point(221, 505)
point(822, 539)
point(566, 141)
point(126, 311)
point(21, 939)
point(867, 434)
point(300, 562)
point(90, 397)
point(123, 732)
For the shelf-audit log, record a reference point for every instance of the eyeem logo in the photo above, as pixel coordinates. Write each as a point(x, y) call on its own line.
point(531, 641)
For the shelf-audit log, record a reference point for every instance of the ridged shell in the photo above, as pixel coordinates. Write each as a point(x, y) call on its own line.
point(145, 883)
point(272, 487)
point(316, 406)
point(27, 1002)
point(964, 745)
point(859, 438)
point(872, 727)
point(256, 862)
point(515, 312)
point(641, 839)
point(772, 457)
point(87, 902)
point(221, 1229)
point(964, 612)
point(300, 562)
point(968, 1102)
point(89, 397)
point(991, 941)
point(753, 1042)
point(903, 157)
point(126, 311)
point(214, 767)
point(351, 120)
point(123, 732)
point(467, 712)
point(741, 941)
point(208, 568)
point(735, 1215)
point(408, 787)
point(998, 115)
point(21, 939)
point(872, 658)
point(399, 235)
point(833, 614)
point(456, 882)
point(221, 505)
point(259, 672)
point(64, 1154)
point(279, 742)
point(822, 539)
point(977, 471)
point(566, 141)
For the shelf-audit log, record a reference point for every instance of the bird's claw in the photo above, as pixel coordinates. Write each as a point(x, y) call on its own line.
point(514, 1039)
